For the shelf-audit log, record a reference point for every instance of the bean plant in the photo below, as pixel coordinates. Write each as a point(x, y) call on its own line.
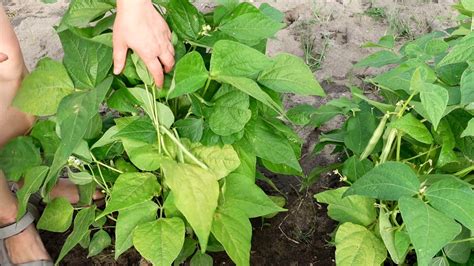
point(177, 164)
point(409, 158)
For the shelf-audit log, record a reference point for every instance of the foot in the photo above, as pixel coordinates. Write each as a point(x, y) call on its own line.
point(26, 246)
point(66, 189)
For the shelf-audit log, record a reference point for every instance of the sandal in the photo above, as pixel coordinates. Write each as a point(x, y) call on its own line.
point(15, 229)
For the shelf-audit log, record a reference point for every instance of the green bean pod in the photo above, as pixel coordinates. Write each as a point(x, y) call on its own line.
point(375, 138)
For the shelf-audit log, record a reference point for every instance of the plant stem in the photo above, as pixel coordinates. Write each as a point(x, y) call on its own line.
point(183, 149)
point(399, 144)
point(208, 83)
point(405, 105)
point(108, 166)
point(462, 240)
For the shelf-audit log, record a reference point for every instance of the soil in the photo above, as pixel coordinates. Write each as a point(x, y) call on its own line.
point(328, 34)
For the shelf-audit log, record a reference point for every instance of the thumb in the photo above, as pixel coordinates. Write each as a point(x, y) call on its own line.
point(120, 56)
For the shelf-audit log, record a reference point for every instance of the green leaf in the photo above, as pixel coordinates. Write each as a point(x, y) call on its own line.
point(359, 131)
point(82, 12)
point(435, 100)
point(32, 182)
point(99, 242)
point(138, 128)
point(243, 194)
point(131, 189)
point(355, 245)
point(249, 25)
point(462, 52)
point(289, 74)
point(83, 220)
point(188, 249)
point(87, 62)
point(251, 88)
point(43, 89)
point(387, 181)
point(190, 128)
point(230, 112)
point(45, 132)
point(220, 160)
point(74, 113)
point(57, 216)
point(396, 242)
point(200, 259)
point(454, 199)
point(142, 70)
point(231, 58)
point(233, 230)
point(145, 98)
point(160, 241)
point(414, 128)
point(189, 76)
point(436, 46)
point(461, 251)
point(271, 146)
point(196, 192)
point(354, 169)
point(17, 156)
point(185, 19)
point(379, 59)
point(354, 209)
point(429, 230)
point(439, 261)
point(467, 82)
point(80, 178)
point(127, 220)
point(469, 131)
point(468, 5)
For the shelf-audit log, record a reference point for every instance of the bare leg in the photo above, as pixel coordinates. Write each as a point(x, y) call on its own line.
point(26, 246)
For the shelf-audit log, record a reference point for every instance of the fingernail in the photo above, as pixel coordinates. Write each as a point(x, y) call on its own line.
point(117, 70)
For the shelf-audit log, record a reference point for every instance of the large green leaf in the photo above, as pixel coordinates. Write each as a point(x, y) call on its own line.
point(99, 242)
point(235, 59)
point(146, 157)
point(220, 160)
point(44, 88)
point(359, 131)
point(251, 88)
point(429, 230)
point(230, 112)
point(460, 252)
point(138, 128)
point(356, 245)
point(74, 113)
point(387, 181)
point(290, 74)
point(467, 82)
point(87, 62)
point(127, 220)
point(271, 146)
point(84, 218)
point(434, 99)
point(131, 189)
point(190, 75)
point(57, 216)
point(453, 198)
point(32, 182)
point(200, 259)
point(462, 52)
point(17, 156)
point(414, 128)
point(354, 169)
point(184, 19)
point(196, 192)
point(249, 25)
point(379, 59)
point(160, 241)
point(45, 132)
point(190, 128)
point(397, 242)
point(233, 230)
point(243, 194)
point(354, 209)
point(82, 12)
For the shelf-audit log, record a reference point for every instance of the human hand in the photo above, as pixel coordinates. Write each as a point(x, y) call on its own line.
point(140, 27)
point(3, 57)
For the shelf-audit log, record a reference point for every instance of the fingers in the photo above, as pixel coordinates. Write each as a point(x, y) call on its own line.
point(155, 68)
point(120, 55)
point(3, 57)
point(167, 59)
